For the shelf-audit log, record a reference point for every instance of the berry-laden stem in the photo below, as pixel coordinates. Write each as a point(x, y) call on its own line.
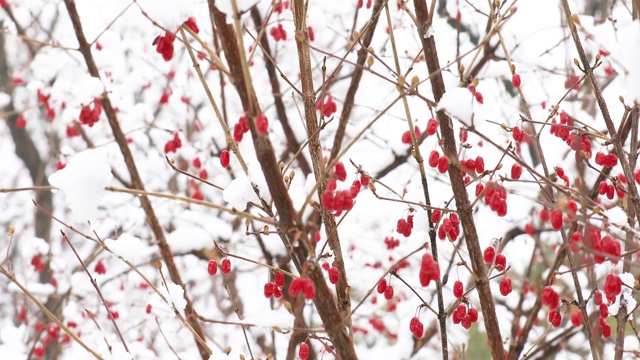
point(315, 149)
point(459, 190)
point(289, 224)
point(136, 180)
point(442, 315)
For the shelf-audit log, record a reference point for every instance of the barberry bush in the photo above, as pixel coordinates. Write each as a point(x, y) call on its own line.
point(319, 179)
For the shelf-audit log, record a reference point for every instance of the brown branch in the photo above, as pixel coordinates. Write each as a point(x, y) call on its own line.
point(315, 149)
point(459, 189)
point(365, 37)
point(290, 228)
point(136, 181)
point(292, 143)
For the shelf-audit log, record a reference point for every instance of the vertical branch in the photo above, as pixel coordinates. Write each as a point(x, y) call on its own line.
point(442, 315)
point(290, 229)
point(459, 190)
point(315, 149)
point(292, 143)
point(136, 181)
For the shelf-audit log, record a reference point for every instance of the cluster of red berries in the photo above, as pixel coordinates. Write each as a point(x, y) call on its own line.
point(518, 134)
point(89, 115)
point(609, 160)
point(386, 289)
point(73, 130)
point(225, 266)
point(416, 327)
point(361, 2)
point(437, 161)
point(391, 243)
point(338, 201)
point(405, 227)
point(463, 317)
point(37, 263)
point(164, 45)
point(274, 288)
point(429, 270)
point(278, 33)
point(450, 227)
point(406, 136)
point(495, 195)
point(304, 286)
point(562, 175)
point(334, 275)
point(490, 257)
point(561, 131)
point(327, 106)
point(240, 128)
point(610, 190)
point(606, 248)
point(280, 5)
point(173, 144)
point(476, 94)
point(44, 99)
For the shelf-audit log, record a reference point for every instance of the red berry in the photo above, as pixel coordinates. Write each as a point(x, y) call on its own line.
point(100, 268)
point(434, 156)
point(268, 290)
point(304, 351)
point(576, 318)
point(225, 157)
point(458, 289)
point(278, 279)
point(479, 97)
point(432, 126)
point(212, 268)
point(382, 286)
point(365, 180)
point(38, 351)
point(388, 292)
point(518, 134)
point(340, 171)
point(443, 164)
point(604, 310)
point(489, 254)
point(262, 123)
point(473, 314)
point(416, 327)
point(516, 171)
point(555, 318)
point(606, 330)
point(435, 215)
point(501, 262)
point(334, 276)
point(550, 297)
point(148, 309)
point(612, 285)
point(505, 286)
point(203, 174)
point(479, 165)
point(191, 22)
point(226, 266)
point(21, 123)
point(515, 80)
point(597, 298)
point(556, 219)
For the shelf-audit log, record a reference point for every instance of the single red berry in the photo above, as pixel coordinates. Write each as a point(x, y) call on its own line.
point(212, 268)
point(38, 351)
point(612, 285)
point(443, 164)
point(225, 157)
point(473, 314)
point(204, 174)
point(432, 126)
point(365, 180)
point(604, 310)
point(191, 22)
point(576, 318)
point(555, 318)
point(226, 266)
point(196, 163)
point(388, 292)
point(434, 156)
point(505, 286)
point(515, 80)
point(479, 97)
point(262, 123)
point(268, 290)
point(501, 262)
point(21, 123)
point(278, 279)
point(556, 219)
point(458, 289)
point(148, 309)
point(340, 171)
point(382, 286)
point(516, 171)
point(303, 353)
point(489, 254)
point(100, 268)
point(597, 298)
point(334, 276)
point(550, 297)
point(606, 330)
point(479, 164)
